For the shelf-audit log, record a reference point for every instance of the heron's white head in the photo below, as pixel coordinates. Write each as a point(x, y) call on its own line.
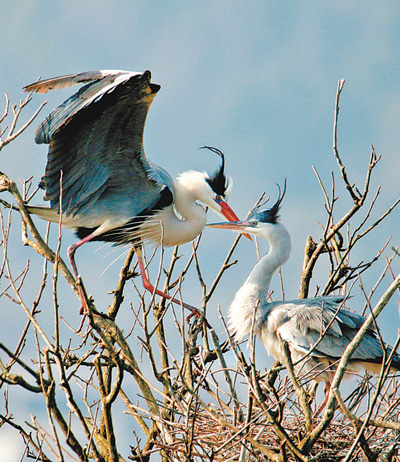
point(198, 186)
point(262, 223)
point(212, 190)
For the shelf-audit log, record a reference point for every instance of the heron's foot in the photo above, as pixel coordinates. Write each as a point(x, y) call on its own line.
point(318, 412)
point(83, 297)
point(193, 311)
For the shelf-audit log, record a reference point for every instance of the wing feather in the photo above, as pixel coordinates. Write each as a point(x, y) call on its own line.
point(65, 81)
point(96, 140)
point(305, 320)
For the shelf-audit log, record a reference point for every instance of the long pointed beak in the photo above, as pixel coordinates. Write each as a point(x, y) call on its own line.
point(233, 225)
point(230, 215)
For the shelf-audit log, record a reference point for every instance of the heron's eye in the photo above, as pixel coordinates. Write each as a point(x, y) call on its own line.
point(218, 199)
point(254, 223)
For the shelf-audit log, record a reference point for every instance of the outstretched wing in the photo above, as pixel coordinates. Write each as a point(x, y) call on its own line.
point(96, 141)
point(55, 83)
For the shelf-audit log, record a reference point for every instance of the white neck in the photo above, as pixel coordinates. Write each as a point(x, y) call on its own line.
point(254, 291)
point(178, 229)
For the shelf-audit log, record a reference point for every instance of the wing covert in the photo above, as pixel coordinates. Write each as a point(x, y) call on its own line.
point(307, 319)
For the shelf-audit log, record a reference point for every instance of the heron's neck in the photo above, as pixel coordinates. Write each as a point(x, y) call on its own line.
point(279, 252)
point(190, 222)
point(254, 292)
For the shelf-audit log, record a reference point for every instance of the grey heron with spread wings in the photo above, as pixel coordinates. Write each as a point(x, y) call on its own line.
point(97, 164)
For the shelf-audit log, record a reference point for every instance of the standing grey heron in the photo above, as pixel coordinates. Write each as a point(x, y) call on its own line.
point(99, 178)
point(317, 330)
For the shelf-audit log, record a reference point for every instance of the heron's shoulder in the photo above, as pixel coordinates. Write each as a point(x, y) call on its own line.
point(328, 301)
point(160, 176)
point(297, 305)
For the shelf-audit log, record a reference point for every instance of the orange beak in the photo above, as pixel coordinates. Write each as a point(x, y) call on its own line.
point(231, 216)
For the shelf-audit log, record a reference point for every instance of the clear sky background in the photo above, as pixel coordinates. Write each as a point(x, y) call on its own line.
point(256, 79)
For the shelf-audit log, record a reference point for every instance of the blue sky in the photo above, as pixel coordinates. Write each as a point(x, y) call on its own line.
point(256, 79)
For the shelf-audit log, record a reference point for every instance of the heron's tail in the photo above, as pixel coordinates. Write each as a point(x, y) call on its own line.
point(52, 215)
point(44, 212)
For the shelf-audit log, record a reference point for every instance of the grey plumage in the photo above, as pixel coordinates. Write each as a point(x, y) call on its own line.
point(323, 327)
point(319, 327)
point(96, 139)
point(97, 164)
point(109, 187)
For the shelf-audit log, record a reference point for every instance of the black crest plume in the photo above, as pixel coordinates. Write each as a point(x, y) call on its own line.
point(218, 181)
point(270, 215)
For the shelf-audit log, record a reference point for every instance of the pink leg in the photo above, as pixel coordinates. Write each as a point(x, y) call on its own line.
point(327, 390)
point(146, 283)
point(71, 257)
point(148, 286)
point(72, 249)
